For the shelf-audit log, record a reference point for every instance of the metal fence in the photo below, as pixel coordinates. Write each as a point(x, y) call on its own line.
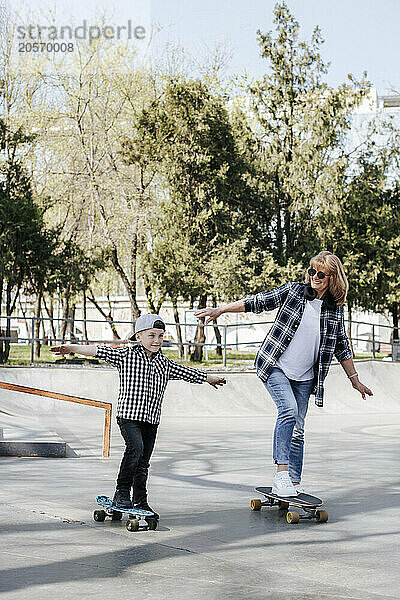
point(372, 338)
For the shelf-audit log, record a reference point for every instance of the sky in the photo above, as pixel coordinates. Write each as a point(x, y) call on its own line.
point(360, 35)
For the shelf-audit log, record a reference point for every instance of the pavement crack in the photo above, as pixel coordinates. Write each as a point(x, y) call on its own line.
point(45, 514)
point(177, 548)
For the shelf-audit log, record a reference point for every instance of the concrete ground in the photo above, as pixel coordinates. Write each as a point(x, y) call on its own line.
point(213, 448)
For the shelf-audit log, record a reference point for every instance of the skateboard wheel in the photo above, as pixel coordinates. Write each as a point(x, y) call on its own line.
point(292, 516)
point(255, 504)
point(132, 524)
point(116, 515)
point(99, 515)
point(283, 505)
point(322, 516)
point(151, 523)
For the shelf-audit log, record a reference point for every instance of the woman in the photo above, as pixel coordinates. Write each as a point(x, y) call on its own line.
point(295, 356)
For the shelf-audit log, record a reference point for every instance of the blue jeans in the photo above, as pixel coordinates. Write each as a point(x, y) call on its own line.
point(291, 398)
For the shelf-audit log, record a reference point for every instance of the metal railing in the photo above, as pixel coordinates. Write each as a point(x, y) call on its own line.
point(373, 339)
point(106, 405)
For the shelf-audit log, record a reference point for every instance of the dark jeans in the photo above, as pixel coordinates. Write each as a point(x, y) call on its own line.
point(140, 438)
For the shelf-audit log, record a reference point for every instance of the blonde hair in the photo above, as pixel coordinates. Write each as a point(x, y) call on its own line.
point(331, 264)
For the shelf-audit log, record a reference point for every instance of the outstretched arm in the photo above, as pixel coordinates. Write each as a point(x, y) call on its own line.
point(257, 303)
point(178, 371)
point(85, 349)
point(214, 313)
point(348, 366)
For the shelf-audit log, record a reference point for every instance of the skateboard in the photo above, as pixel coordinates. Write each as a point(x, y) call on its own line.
point(135, 515)
point(309, 504)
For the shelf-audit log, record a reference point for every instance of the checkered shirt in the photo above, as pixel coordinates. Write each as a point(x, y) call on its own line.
point(142, 381)
point(290, 300)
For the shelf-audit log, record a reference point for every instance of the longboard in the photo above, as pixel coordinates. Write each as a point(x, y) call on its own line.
point(309, 504)
point(116, 512)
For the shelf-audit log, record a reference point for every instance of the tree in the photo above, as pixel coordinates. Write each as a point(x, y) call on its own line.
point(300, 127)
point(96, 108)
point(74, 269)
point(24, 241)
point(206, 193)
point(365, 233)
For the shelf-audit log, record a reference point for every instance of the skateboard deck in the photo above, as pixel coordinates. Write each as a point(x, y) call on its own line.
point(298, 500)
point(309, 504)
point(116, 512)
point(107, 503)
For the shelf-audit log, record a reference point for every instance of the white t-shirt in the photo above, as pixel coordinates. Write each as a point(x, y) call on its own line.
point(297, 361)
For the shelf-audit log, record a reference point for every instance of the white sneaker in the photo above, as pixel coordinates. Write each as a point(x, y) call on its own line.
point(299, 488)
point(283, 485)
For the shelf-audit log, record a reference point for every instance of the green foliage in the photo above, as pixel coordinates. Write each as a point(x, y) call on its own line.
point(300, 127)
point(73, 268)
point(25, 245)
point(365, 233)
point(188, 132)
point(23, 240)
point(238, 268)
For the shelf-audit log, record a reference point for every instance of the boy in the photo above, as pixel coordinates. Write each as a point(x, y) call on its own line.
point(143, 376)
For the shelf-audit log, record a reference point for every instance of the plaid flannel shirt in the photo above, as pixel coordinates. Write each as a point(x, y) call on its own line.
point(290, 300)
point(142, 381)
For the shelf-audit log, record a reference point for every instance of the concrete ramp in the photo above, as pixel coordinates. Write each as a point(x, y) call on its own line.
point(382, 377)
point(35, 425)
point(25, 437)
point(244, 394)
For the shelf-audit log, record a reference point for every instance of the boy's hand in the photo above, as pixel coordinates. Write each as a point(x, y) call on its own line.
point(60, 350)
point(212, 313)
point(215, 380)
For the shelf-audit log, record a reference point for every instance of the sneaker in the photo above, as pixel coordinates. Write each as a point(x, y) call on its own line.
point(299, 488)
point(144, 506)
point(122, 499)
point(283, 485)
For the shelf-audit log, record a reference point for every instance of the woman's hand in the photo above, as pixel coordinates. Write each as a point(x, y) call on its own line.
point(212, 313)
point(357, 385)
point(215, 380)
point(60, 350)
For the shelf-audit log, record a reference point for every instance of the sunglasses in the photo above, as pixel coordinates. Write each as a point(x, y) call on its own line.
point(319, 274)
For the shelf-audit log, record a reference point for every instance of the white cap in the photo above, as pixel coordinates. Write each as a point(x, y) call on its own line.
point(148, 322)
